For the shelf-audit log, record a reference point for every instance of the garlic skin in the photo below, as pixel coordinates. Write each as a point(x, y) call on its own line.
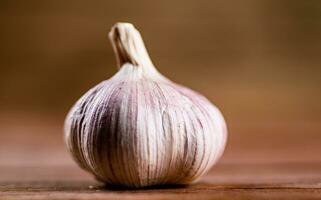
point(140, 129)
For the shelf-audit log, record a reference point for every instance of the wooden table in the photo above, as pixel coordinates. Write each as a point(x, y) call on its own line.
point(35, 165)
point(233, 181)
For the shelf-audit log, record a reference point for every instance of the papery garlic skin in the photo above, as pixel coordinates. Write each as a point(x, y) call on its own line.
point(140, 129)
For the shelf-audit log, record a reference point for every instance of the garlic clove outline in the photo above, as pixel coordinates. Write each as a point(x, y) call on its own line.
point(140, 129)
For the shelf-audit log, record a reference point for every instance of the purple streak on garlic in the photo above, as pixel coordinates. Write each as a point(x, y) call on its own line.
point(140, 129)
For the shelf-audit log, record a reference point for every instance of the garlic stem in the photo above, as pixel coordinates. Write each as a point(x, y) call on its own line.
point(128, 46)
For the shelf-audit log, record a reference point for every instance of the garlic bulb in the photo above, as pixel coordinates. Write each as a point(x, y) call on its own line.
point(140, 129)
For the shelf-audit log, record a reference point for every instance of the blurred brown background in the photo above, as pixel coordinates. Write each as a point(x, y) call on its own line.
point(258, 61)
